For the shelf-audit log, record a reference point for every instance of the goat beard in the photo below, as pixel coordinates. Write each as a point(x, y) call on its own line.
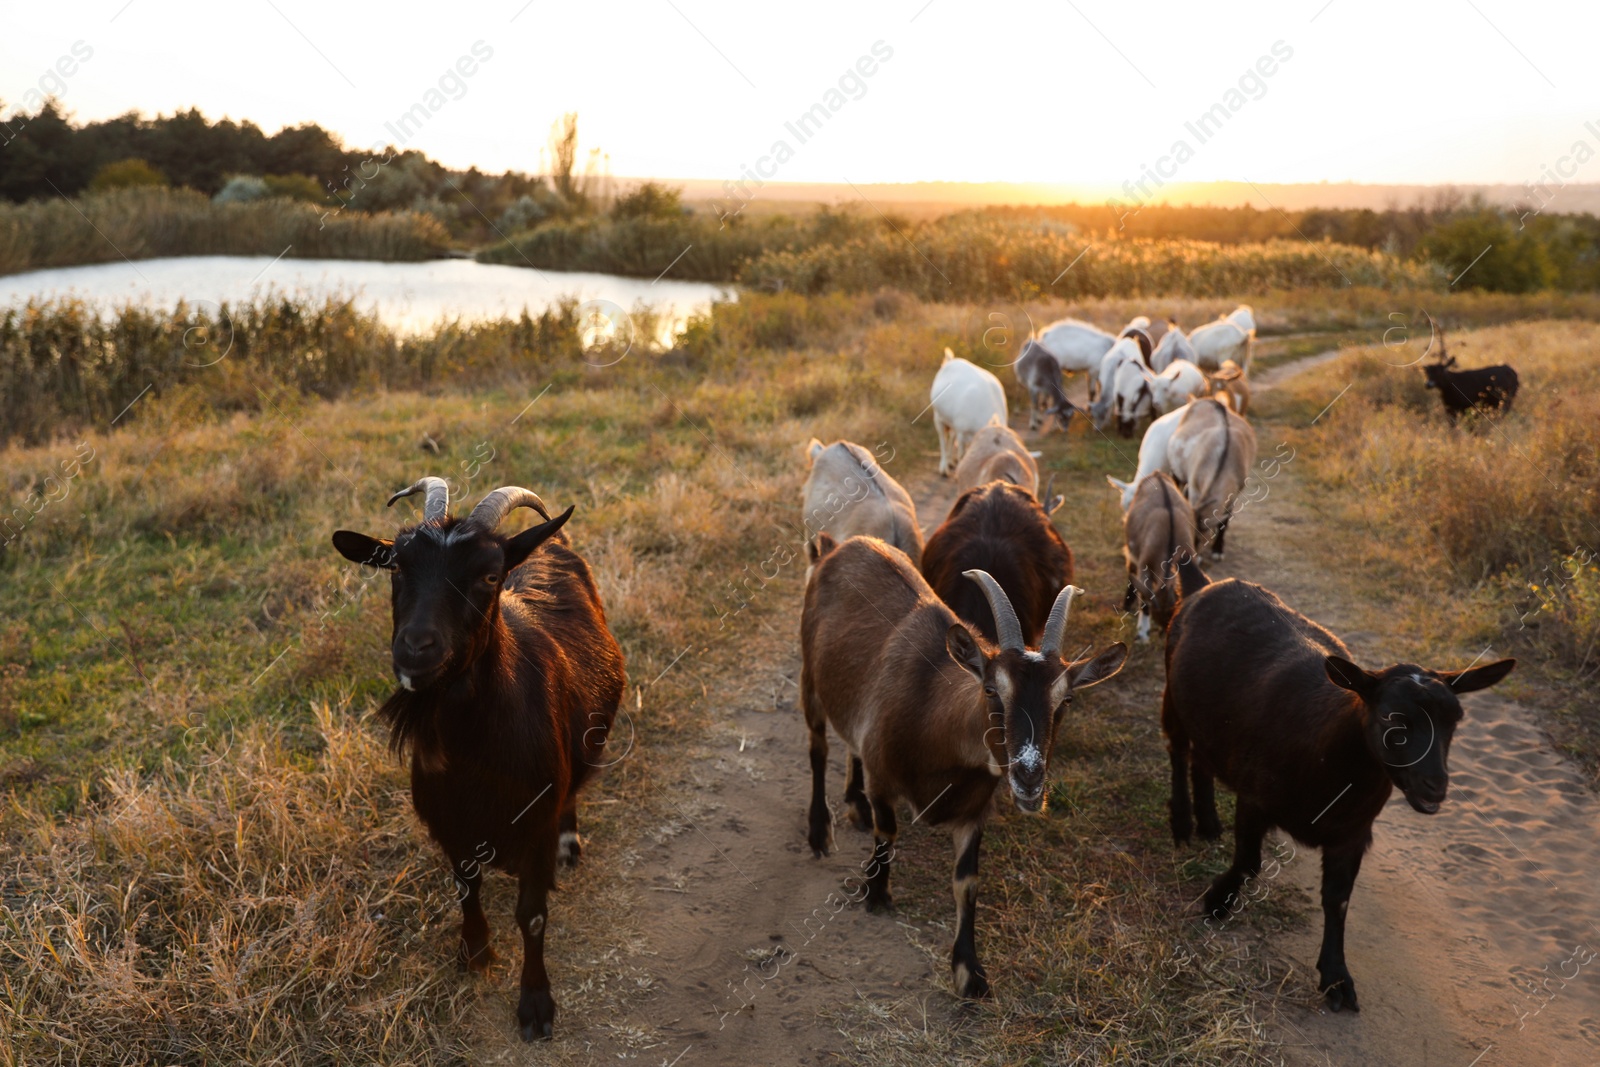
point(414, 728)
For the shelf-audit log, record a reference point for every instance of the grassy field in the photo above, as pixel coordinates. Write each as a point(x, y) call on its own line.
point(211, 858)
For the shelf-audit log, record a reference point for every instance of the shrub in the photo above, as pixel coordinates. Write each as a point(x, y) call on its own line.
point(126, 174)
point(241, 189)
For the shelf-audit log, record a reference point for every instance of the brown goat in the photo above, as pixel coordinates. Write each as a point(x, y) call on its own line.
point(509, 681)
point(1158, 527)
point(997, 454)
point(1002, 529)
point(1263, 698)
point(1210, 455)
point(1230, 379)
point(932, 715)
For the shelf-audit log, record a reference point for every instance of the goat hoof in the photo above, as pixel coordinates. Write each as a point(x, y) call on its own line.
point(880, 903)
point(570, 850)
point(1209, 829)
point(1222, 899)
point(536, 1014)
point(476, 961)
point(1182, 828)
point(859, 815)
point(971, 982)
point(1341, 995)
point(1216, 555)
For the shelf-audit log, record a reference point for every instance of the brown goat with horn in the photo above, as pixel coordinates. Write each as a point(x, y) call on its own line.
point(509, 681)
point(936, 714)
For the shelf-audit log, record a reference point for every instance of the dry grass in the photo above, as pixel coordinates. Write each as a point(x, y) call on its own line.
point(1498, 517)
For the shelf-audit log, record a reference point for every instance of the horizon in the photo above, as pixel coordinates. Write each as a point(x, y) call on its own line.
point(1204, 103)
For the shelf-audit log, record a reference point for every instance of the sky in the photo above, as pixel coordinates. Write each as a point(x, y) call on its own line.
point(1087, 92)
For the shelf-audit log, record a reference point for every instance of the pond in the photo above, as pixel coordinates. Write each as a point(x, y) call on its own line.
point(410, 297)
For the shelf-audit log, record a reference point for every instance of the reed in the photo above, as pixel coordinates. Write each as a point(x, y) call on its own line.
point(141, 223)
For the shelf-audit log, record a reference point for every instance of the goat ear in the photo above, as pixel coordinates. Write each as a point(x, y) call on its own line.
point(1474, 678)
point(360, 548)
point(1347, 675)
point(1117, 483)
point(520, 547)
point(963, 648)
point(819, 546)
point(813, 450)
point(1096, 669)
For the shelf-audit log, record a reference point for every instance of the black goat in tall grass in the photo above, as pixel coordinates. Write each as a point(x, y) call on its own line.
point(509, 683)
point(1265, 699)
point(1483, 388)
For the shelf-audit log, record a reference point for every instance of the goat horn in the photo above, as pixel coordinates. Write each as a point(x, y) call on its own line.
point(1006, 626)
point(435, 504)
point(1434, 331)
point(492, 509)
point(1055, 627)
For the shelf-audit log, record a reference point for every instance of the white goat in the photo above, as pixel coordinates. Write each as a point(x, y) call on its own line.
point(1152, 454)
point(1174, 344)
point(1077, 345)
point(1101, 410)
point(1230, 337)
point(1132, 393)
point(1175, 386)
point(847, 493)
point(964, 398)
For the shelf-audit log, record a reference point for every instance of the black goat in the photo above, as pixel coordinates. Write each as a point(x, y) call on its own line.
point(1265, 699)
point(1463, 390)
point(509, 683)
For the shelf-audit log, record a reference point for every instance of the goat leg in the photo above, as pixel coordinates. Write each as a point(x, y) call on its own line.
point(1182, 815)
point(1250, 825)
point(1339, 871)
point(536, 1009)
point(967, 973)
point(884, 830)
point(857, 809)
point(1207, 822)
point(474, 953)
point(570, 849)
point(820, 832)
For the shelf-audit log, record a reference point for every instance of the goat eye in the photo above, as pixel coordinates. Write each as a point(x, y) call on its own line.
point(989, 690)
point(491, 579)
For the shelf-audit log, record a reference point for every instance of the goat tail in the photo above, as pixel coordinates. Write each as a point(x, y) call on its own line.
point(1191, 579)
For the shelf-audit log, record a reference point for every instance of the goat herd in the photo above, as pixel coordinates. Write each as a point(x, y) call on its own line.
point(942, 665)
